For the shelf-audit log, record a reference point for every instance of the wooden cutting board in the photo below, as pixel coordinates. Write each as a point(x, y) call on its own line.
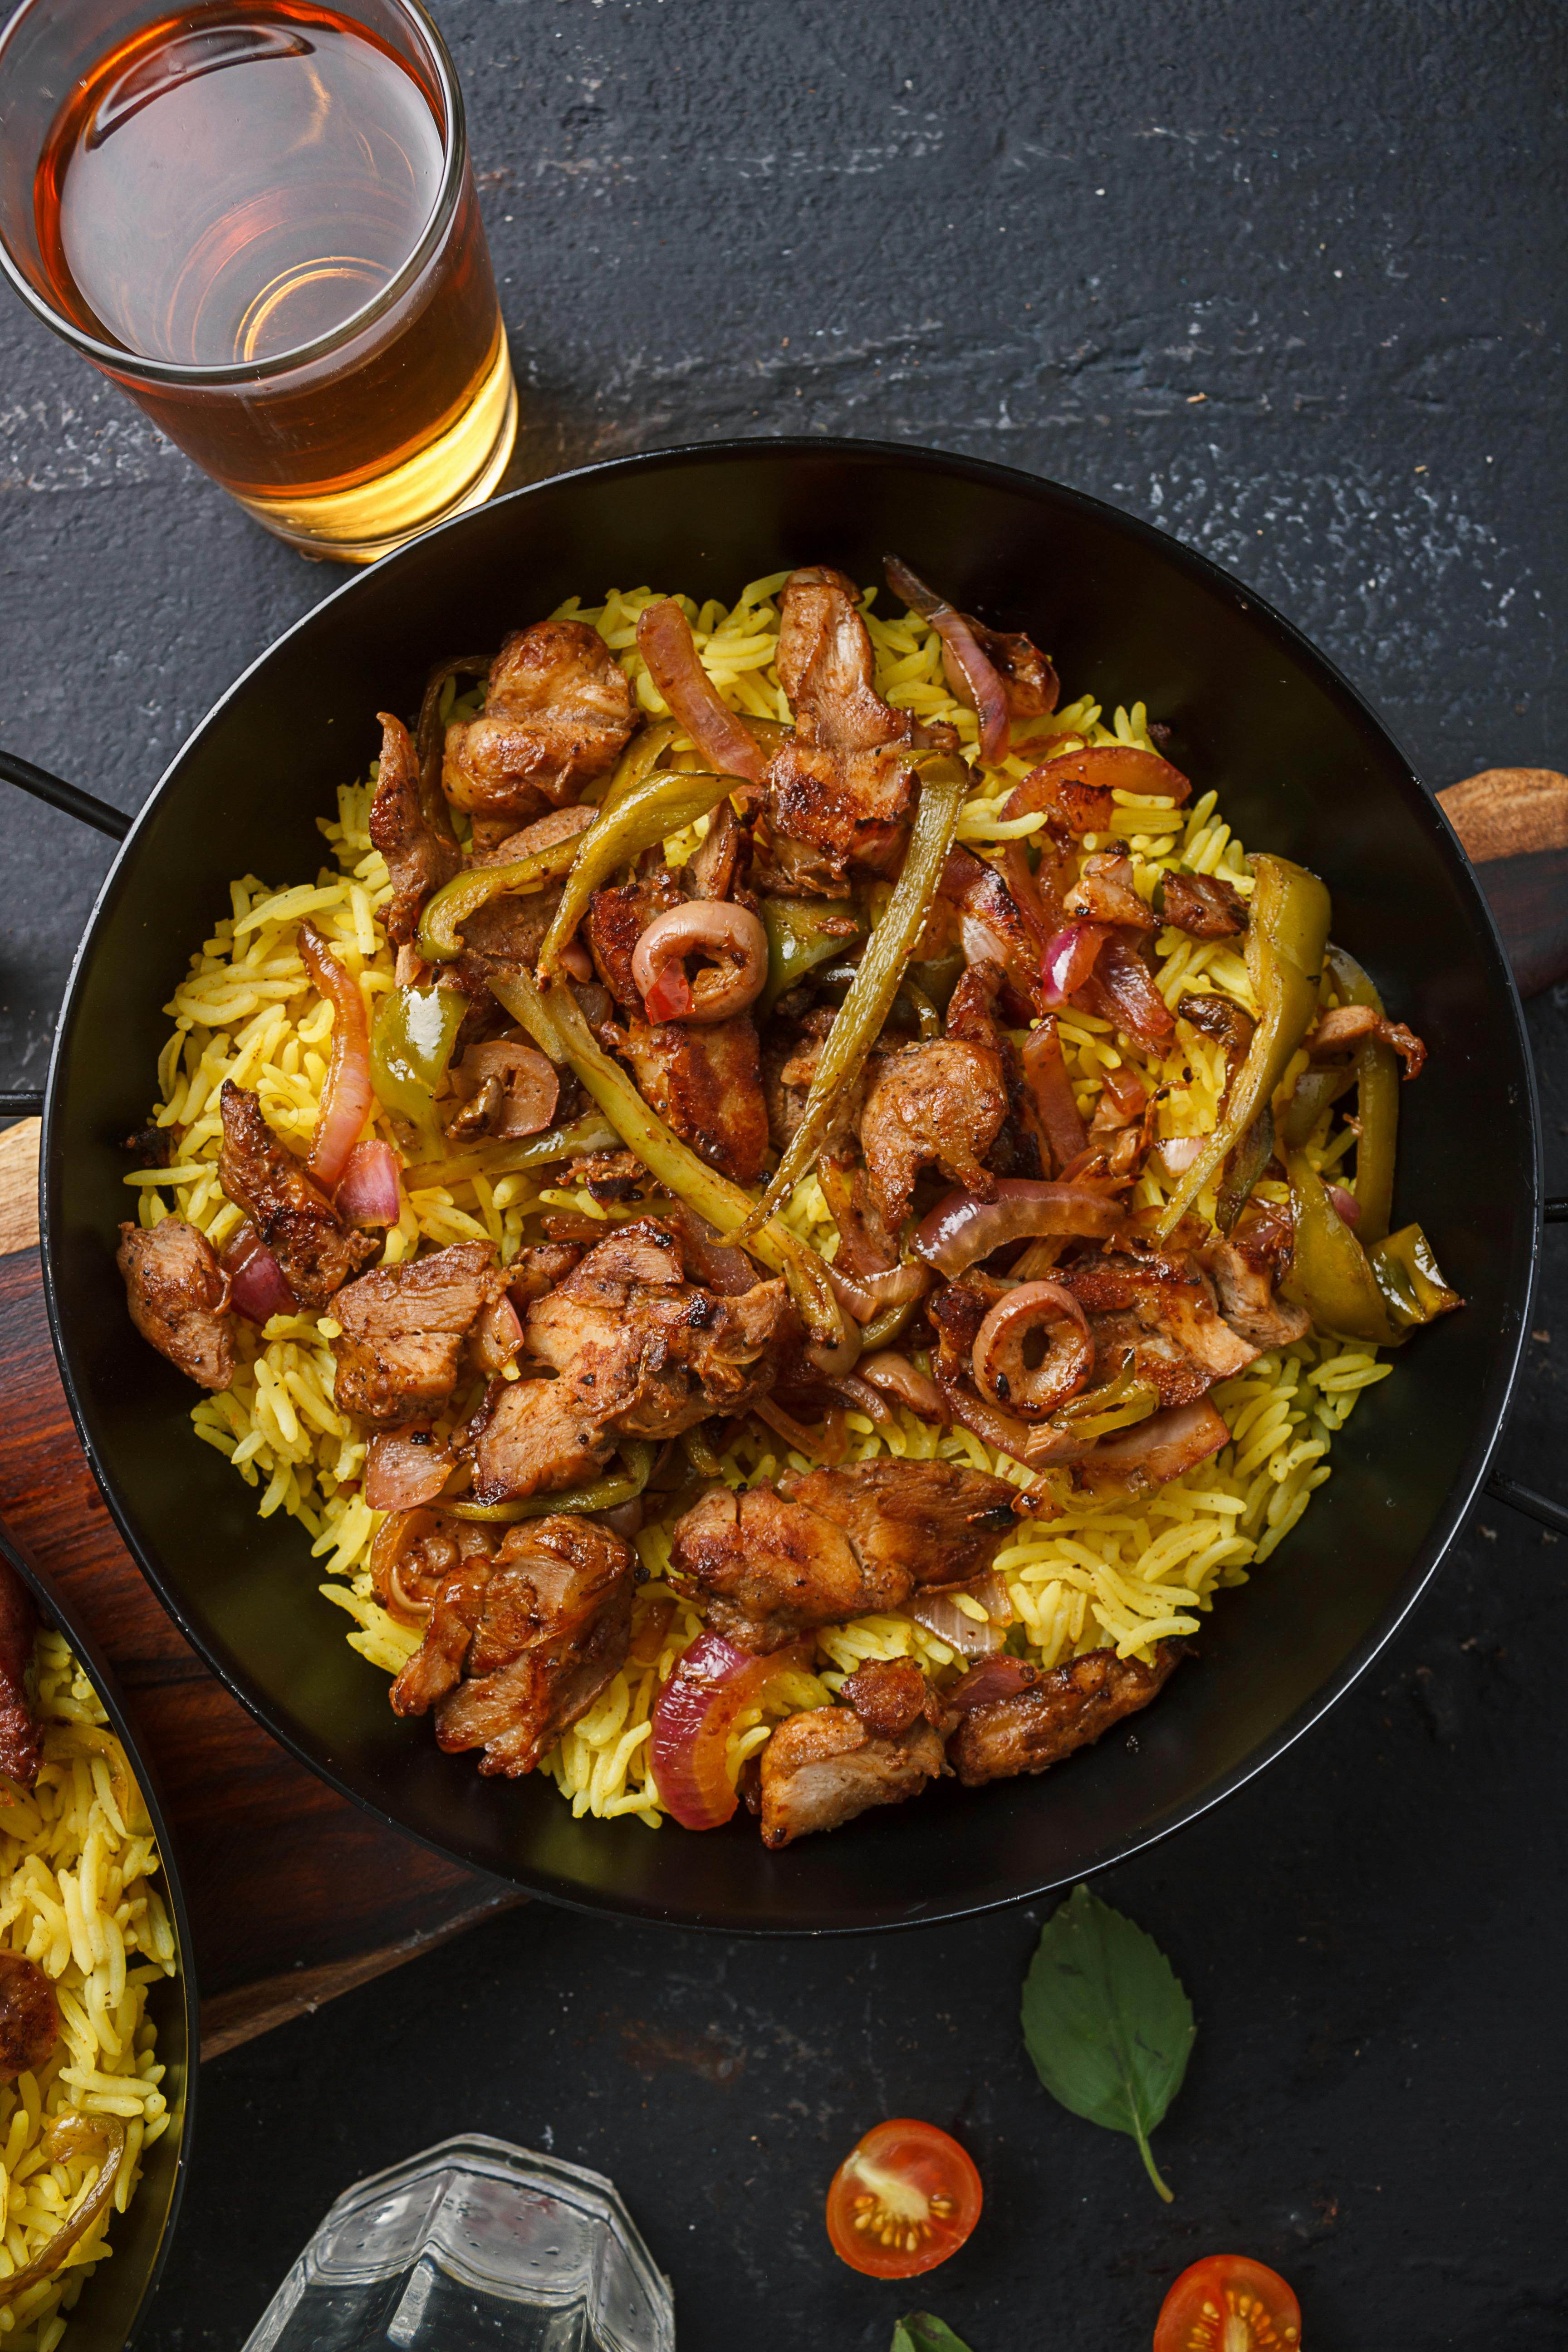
point(295, 1894)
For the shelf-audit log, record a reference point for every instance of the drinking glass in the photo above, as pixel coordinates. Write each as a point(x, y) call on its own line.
point(473, 2246)
point(259, 221)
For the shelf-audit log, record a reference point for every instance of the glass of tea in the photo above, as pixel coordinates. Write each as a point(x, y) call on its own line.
point(259, 220)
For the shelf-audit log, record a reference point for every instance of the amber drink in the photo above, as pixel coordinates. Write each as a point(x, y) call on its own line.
point(260, 221)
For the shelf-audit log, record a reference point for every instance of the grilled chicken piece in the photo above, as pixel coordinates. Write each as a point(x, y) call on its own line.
point(1247, 1298)
point(297, 1222)
point(840, 784)
point(942, 1102)
point(836, 1544)
point(820, 1769)
point(1105, 893)
point(617, 921)
point(29, 2016)
point(707, 1083)
point(559, 710)
point(20, 1747)
point(535, 1635)
point(1169, 1300)
point(404, 1328)
point(1203, 906)
point(418, 842)
point(638, 1352)
point(1347, 1024)
point(178, 1297)
point(1049, 1715)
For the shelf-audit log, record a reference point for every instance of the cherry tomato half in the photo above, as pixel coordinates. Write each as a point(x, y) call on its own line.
point(902, 2200)
point(1229, 2303)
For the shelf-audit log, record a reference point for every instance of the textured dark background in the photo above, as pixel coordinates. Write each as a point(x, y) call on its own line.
point(1289, 282)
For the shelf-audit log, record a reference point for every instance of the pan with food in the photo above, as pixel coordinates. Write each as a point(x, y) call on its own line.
point(791, 1217)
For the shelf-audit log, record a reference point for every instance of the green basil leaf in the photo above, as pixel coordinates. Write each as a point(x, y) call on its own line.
point(1106, 2020)
point(920, 2331)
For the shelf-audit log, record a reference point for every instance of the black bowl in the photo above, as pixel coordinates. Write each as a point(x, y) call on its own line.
point(1302, 766)
point(115, 2302)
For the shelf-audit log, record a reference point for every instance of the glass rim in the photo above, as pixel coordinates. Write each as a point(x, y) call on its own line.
point(119, 362)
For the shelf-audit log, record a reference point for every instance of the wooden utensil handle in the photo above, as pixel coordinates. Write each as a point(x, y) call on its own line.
point(1513, 823)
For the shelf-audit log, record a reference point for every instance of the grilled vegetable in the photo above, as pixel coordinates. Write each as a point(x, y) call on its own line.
point(1285, 942)
point(860, 1019)
point(646, 812)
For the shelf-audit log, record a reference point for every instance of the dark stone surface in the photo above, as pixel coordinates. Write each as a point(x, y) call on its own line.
point(1289, 282)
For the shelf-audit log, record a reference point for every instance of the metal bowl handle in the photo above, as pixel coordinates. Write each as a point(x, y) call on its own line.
point(27, 1102)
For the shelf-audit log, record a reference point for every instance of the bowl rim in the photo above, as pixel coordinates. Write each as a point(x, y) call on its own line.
point(55, 1608)
point(1466, 1480)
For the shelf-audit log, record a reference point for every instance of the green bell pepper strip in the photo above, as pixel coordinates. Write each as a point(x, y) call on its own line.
point(1315, 1090)
point(639, 759)
point(1378, 1295)
point(943, 780)
point(802, 934)
point(1377, 1081)
point(555, 1023)
point(648, 813)
point(1330, 1274)
point(1410, 1278)
point(937, 976)
point(441, 924)
point(491, 1160)
point(603, 1495)
point(1248, 1162)
point(411, 1044)
point(1287, 933)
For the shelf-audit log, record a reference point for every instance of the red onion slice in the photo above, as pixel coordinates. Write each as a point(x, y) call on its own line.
point(663, 641)
point(994, 1679)
point(348, 1096)
point(972, 1637)
point(404, 1469)
point(371, 1190)
point(257, 1288)
point(692, 1719)
point(1071, 957)
point(972, 677)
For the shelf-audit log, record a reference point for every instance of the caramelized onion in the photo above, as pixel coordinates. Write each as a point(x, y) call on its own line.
point(972, 677)
point(256, 1286)
point(1051, 1095)
point(866, 1295)
point(972, 1637)
point(1071, 957)
point(1126, 994)
point(348, 1096)
point(1001, 1371)
point(665, 642)
point(993, 1679)
point(369, 1192)
point(732, 935)
point(991, 928)
point(1158, 1449)
point(963, 1229)
point(895, 1374)
point(692, 1719)
point(405, 1468)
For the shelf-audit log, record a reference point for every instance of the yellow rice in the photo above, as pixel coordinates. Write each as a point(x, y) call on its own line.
point(77, 1860)
point(1119, 1572)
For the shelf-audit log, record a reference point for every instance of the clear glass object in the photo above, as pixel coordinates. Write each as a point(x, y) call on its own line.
point(474, 2246)
point(258, 217)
